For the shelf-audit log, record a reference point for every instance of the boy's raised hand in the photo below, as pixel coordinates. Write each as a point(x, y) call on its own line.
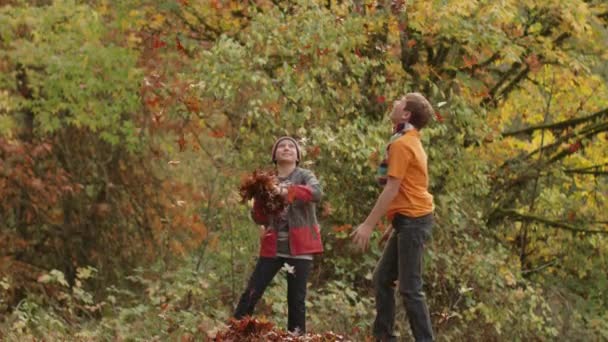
point(361, 235)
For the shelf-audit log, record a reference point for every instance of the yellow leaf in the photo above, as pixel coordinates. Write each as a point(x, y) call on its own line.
point(157, 21)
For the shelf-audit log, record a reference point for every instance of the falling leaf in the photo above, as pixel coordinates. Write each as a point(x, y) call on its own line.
point(439, 117)
point(288, 268)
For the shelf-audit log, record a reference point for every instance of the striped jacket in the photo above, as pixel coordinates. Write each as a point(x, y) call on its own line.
point(304, 232)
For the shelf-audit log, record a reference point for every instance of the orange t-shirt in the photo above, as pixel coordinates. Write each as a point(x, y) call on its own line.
point(407, 161)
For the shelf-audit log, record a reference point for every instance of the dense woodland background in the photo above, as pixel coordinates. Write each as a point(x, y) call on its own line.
point(126, 126)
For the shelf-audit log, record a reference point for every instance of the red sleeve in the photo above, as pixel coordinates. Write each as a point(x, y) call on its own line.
point(299, 192)
point(258, 214)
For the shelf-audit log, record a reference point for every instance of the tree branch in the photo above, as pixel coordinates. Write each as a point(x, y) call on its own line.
point(594, 169)
point(560, 125)
point(547, 222)
point(594, 130)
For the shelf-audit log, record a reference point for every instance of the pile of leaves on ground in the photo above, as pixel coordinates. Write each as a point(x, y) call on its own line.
point(257, 330)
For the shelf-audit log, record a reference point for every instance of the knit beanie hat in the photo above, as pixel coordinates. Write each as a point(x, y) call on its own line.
point(276, 145)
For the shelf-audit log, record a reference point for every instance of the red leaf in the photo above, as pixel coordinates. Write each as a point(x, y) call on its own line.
point(181, 142)
point(380, 99)
point(469, 62)
point(575, 147)
point(157, 43)
point(571, 216)
point(179, 45)
point(217, 134)
point(314, 151)
point(439, 117)
point(342, 228)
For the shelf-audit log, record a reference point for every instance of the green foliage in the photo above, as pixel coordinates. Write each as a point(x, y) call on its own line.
point(71, 75)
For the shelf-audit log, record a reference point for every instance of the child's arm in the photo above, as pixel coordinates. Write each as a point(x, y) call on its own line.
point(257, 214)
point(310, 191)
point(362, 233)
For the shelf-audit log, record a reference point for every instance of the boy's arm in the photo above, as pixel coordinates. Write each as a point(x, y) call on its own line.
point(362, 233)
point(257, 214)
point(309, 192)
point(399, 157)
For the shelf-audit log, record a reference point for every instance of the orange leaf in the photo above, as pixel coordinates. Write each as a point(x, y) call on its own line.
point(342, 228)
point(217, 134)
point(181, 142)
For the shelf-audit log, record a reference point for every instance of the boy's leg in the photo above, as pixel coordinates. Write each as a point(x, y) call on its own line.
point(385, 275)
point(296, 294)
point(265, 270)
point(412, 233)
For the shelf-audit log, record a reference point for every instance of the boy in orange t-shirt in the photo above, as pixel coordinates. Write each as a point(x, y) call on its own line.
point(408, 204)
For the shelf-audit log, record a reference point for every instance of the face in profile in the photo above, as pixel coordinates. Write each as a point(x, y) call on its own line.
point(399, 114)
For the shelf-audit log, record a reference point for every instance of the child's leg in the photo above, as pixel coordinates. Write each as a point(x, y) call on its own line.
point(385, 275)
point(413, 232)
point(264, 271)
point(296, 294)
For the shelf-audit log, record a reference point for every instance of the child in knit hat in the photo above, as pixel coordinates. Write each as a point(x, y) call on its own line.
point(290, 239)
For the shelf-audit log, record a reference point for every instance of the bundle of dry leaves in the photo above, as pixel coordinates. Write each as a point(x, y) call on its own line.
point(262, 185)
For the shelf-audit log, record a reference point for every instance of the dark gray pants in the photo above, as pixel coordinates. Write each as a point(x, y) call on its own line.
point(402, 260)
point(265, 270)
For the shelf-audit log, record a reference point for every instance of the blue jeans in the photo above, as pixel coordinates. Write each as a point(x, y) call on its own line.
point(265, 270)
point(402, 260)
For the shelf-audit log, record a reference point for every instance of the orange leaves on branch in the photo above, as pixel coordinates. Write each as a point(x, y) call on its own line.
point(193, 104)
point(533, 63)
point(397, 6)
point(216, 4)
point(28, 169)
point(469, 61)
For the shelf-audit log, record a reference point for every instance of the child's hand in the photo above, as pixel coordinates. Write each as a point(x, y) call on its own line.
point(281, 190)
point(361, 235)
point(263, 230)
